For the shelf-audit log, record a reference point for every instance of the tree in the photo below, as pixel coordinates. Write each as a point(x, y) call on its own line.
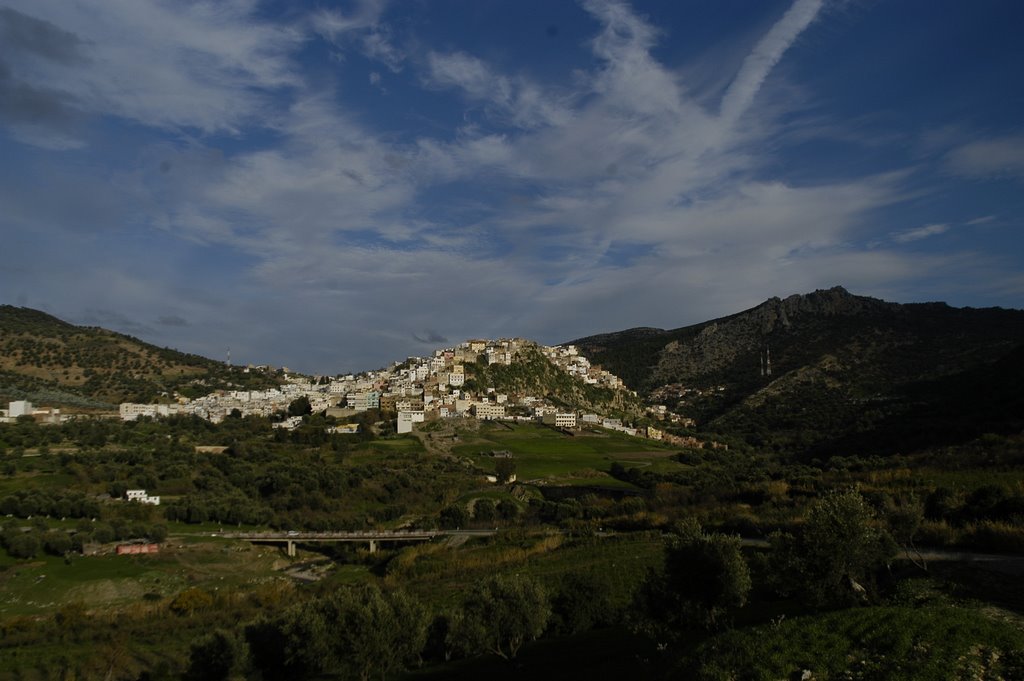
point(499, 614)
point(360, 631)
point(484, 511)
point(508, 509)
point(102, 533)
point(191, 600)
point(215, 657)
point(454, 516)
point(704, 577)
point(374, 632)
point(269, 650)
point(300, 406)
point(708, 576)
point(581, 603)
point(23, 544)
point(57, 542)
point(158, 533)
point(505, 469)
point(834, 556)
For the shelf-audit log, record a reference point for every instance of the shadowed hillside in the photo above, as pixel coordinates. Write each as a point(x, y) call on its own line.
point(849, 374)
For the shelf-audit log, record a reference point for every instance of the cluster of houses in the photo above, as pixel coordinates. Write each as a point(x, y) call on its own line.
point(430, 388)
point(419, 390)
point(219, 404)
point(140, 496)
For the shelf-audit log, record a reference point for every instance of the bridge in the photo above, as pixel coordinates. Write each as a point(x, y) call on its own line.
point(371, 537)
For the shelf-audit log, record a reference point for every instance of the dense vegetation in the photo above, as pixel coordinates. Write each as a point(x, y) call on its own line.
point(671, 580)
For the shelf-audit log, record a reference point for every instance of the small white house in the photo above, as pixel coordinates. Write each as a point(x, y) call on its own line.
point(140, 496)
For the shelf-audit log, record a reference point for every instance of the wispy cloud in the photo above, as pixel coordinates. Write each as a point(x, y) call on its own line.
point(983, 220)
point(361, 26)
point(919, 233)
point(765, 56)
point(202, 65)
point(995, 157)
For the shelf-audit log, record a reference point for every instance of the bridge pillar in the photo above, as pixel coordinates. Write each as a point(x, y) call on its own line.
point(373, 546)
point(291, 549)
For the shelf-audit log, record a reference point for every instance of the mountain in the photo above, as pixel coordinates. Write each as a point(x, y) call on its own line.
point(50, 361)
point(849, 375)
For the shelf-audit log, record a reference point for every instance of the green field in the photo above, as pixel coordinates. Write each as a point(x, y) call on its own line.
point(545, 454)
point(405, 444)
point(40, 586)
point(44, 481)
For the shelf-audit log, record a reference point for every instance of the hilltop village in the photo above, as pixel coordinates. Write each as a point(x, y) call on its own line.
point(419, 390)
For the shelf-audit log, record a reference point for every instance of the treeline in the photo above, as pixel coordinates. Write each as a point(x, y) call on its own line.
point(364, 632)
point(26, 503)
point(26, 542)
point(287, 479)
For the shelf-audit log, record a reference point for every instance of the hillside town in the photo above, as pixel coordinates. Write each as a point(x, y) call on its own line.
point(420, 390)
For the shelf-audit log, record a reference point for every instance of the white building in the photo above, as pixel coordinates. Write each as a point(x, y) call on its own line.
point(565, 420)
point(130, 411)
point(406, 419)
point(485, 411)
point(363, 401)
point(140, 496)
point(19, 408)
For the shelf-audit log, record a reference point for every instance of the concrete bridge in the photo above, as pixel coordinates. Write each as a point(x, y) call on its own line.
point(371, 537)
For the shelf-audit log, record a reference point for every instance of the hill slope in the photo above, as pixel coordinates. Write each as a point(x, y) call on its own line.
point(533, 374)
point(51, 361)
point(849, 374)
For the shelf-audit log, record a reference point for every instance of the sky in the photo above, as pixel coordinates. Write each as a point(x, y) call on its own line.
point(333, 186)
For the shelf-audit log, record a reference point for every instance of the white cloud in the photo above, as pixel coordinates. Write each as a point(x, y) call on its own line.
point(996, 157)
point(361, 26)
point(515, 101)
point(464, 71)
point(765, 56)
point(919, 233)
point(203, 65)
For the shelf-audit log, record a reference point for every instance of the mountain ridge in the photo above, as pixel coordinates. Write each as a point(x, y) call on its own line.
point(809, 371)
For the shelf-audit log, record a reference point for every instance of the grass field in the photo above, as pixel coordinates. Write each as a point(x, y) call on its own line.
point(42, 481)
point(542, 453)
point(406, 444)
point(39, 586)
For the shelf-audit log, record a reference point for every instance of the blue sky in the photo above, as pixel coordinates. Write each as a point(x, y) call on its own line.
point(335, 185)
